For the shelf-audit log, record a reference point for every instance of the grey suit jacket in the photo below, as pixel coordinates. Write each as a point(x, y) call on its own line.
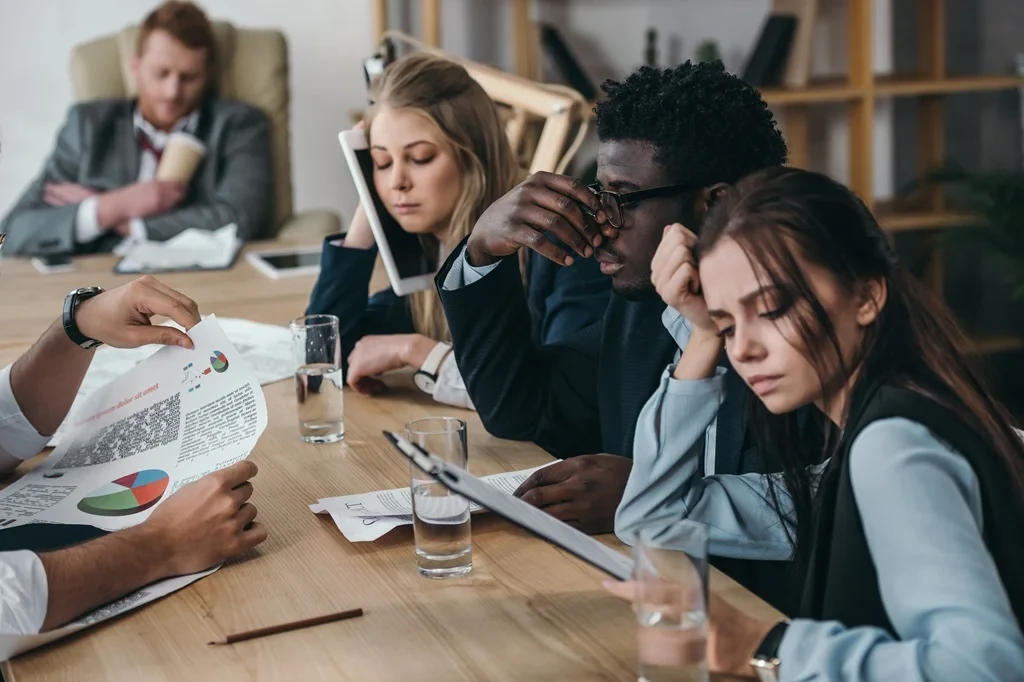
point(97, 148)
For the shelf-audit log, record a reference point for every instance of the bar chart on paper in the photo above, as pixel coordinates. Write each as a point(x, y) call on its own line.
point(129, 494)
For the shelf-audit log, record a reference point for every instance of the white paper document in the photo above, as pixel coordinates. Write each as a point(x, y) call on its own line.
point(368, 516)
point(169, 420)
point(266, 348)
point(12, 645)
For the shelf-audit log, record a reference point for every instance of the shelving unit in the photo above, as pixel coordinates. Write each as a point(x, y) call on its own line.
point(861, 89)
point(910, 86)
point(430, 13)
point(820, 92)
point(927, 215)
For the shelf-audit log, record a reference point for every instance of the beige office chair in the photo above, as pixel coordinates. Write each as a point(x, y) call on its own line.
point(252, 68)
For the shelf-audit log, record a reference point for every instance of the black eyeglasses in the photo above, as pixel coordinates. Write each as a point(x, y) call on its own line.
point(612, 202)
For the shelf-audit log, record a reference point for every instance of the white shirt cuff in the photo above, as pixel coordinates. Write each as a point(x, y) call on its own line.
point(462, 274)
point(137, 230)
point(449, 387)
point(18, 438)
point(87, 224)
point(23, 593)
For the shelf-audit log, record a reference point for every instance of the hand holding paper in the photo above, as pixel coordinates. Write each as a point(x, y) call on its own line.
point(208, 521)
point(131, 451)
point(121, 317)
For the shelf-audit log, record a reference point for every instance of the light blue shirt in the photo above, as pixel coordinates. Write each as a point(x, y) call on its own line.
point(920, 504)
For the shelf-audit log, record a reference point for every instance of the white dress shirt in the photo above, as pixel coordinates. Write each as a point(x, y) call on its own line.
point(87, 226)
point(23, 588)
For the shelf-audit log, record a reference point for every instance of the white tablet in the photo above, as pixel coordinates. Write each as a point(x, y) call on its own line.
point(303, 260)
point(409, 267)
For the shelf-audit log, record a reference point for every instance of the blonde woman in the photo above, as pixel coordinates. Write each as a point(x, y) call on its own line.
point(440, 158)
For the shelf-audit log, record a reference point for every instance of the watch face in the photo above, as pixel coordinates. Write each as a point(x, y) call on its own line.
point(424, 382)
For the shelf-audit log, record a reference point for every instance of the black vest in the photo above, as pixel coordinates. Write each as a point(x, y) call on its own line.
point(841, 582)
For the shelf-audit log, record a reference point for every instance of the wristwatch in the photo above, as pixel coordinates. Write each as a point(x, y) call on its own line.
point(426, 375)
point(71, 302)
point(766, 659)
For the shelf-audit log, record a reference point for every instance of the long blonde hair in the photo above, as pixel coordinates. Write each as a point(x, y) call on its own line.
point(446, 94)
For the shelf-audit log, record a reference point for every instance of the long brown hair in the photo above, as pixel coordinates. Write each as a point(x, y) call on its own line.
point(448, 96)
point(914, 342)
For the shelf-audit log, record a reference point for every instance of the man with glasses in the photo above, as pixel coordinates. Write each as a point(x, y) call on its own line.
point(669, 141)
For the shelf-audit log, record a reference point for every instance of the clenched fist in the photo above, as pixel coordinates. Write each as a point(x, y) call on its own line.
point(675, 276)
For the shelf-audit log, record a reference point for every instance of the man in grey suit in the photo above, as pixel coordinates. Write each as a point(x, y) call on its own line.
point(97, 192)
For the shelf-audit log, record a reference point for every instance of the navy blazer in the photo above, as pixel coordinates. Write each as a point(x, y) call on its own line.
point(562, 300)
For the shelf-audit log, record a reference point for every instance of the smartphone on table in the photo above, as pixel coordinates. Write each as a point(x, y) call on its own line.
point(53, 263)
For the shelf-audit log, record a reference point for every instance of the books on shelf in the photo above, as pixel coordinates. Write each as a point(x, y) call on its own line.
point(768, 59)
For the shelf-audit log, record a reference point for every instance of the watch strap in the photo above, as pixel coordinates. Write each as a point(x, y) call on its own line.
point(766, 659)
point(71, 329)
point(432, 364)
point(769, 647)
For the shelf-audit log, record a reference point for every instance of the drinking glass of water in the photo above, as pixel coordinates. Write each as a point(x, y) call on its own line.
point(316, 344)
point(671, 574)
point(444, 547)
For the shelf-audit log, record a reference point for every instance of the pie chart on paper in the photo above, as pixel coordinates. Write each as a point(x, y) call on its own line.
point(219, 362)
point(127, 495)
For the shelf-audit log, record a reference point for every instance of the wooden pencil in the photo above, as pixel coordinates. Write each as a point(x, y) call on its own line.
point(288, 627)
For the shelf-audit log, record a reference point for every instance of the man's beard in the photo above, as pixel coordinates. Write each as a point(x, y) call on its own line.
point(636, 289)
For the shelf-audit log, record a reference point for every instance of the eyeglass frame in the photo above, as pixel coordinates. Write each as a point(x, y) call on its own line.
point(634, 197)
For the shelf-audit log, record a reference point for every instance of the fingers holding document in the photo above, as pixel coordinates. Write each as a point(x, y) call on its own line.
point(208, 521)
point(121, 317)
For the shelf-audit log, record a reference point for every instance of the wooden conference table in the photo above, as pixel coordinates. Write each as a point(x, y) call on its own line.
point(528, 611)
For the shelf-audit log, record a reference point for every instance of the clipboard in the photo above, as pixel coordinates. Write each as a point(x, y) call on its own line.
point(515, 510)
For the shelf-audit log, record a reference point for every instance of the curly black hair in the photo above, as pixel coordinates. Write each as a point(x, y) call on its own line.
point(706, 124)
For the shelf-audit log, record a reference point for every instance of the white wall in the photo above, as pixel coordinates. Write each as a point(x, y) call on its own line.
point(328, 38)
point(326, 41)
